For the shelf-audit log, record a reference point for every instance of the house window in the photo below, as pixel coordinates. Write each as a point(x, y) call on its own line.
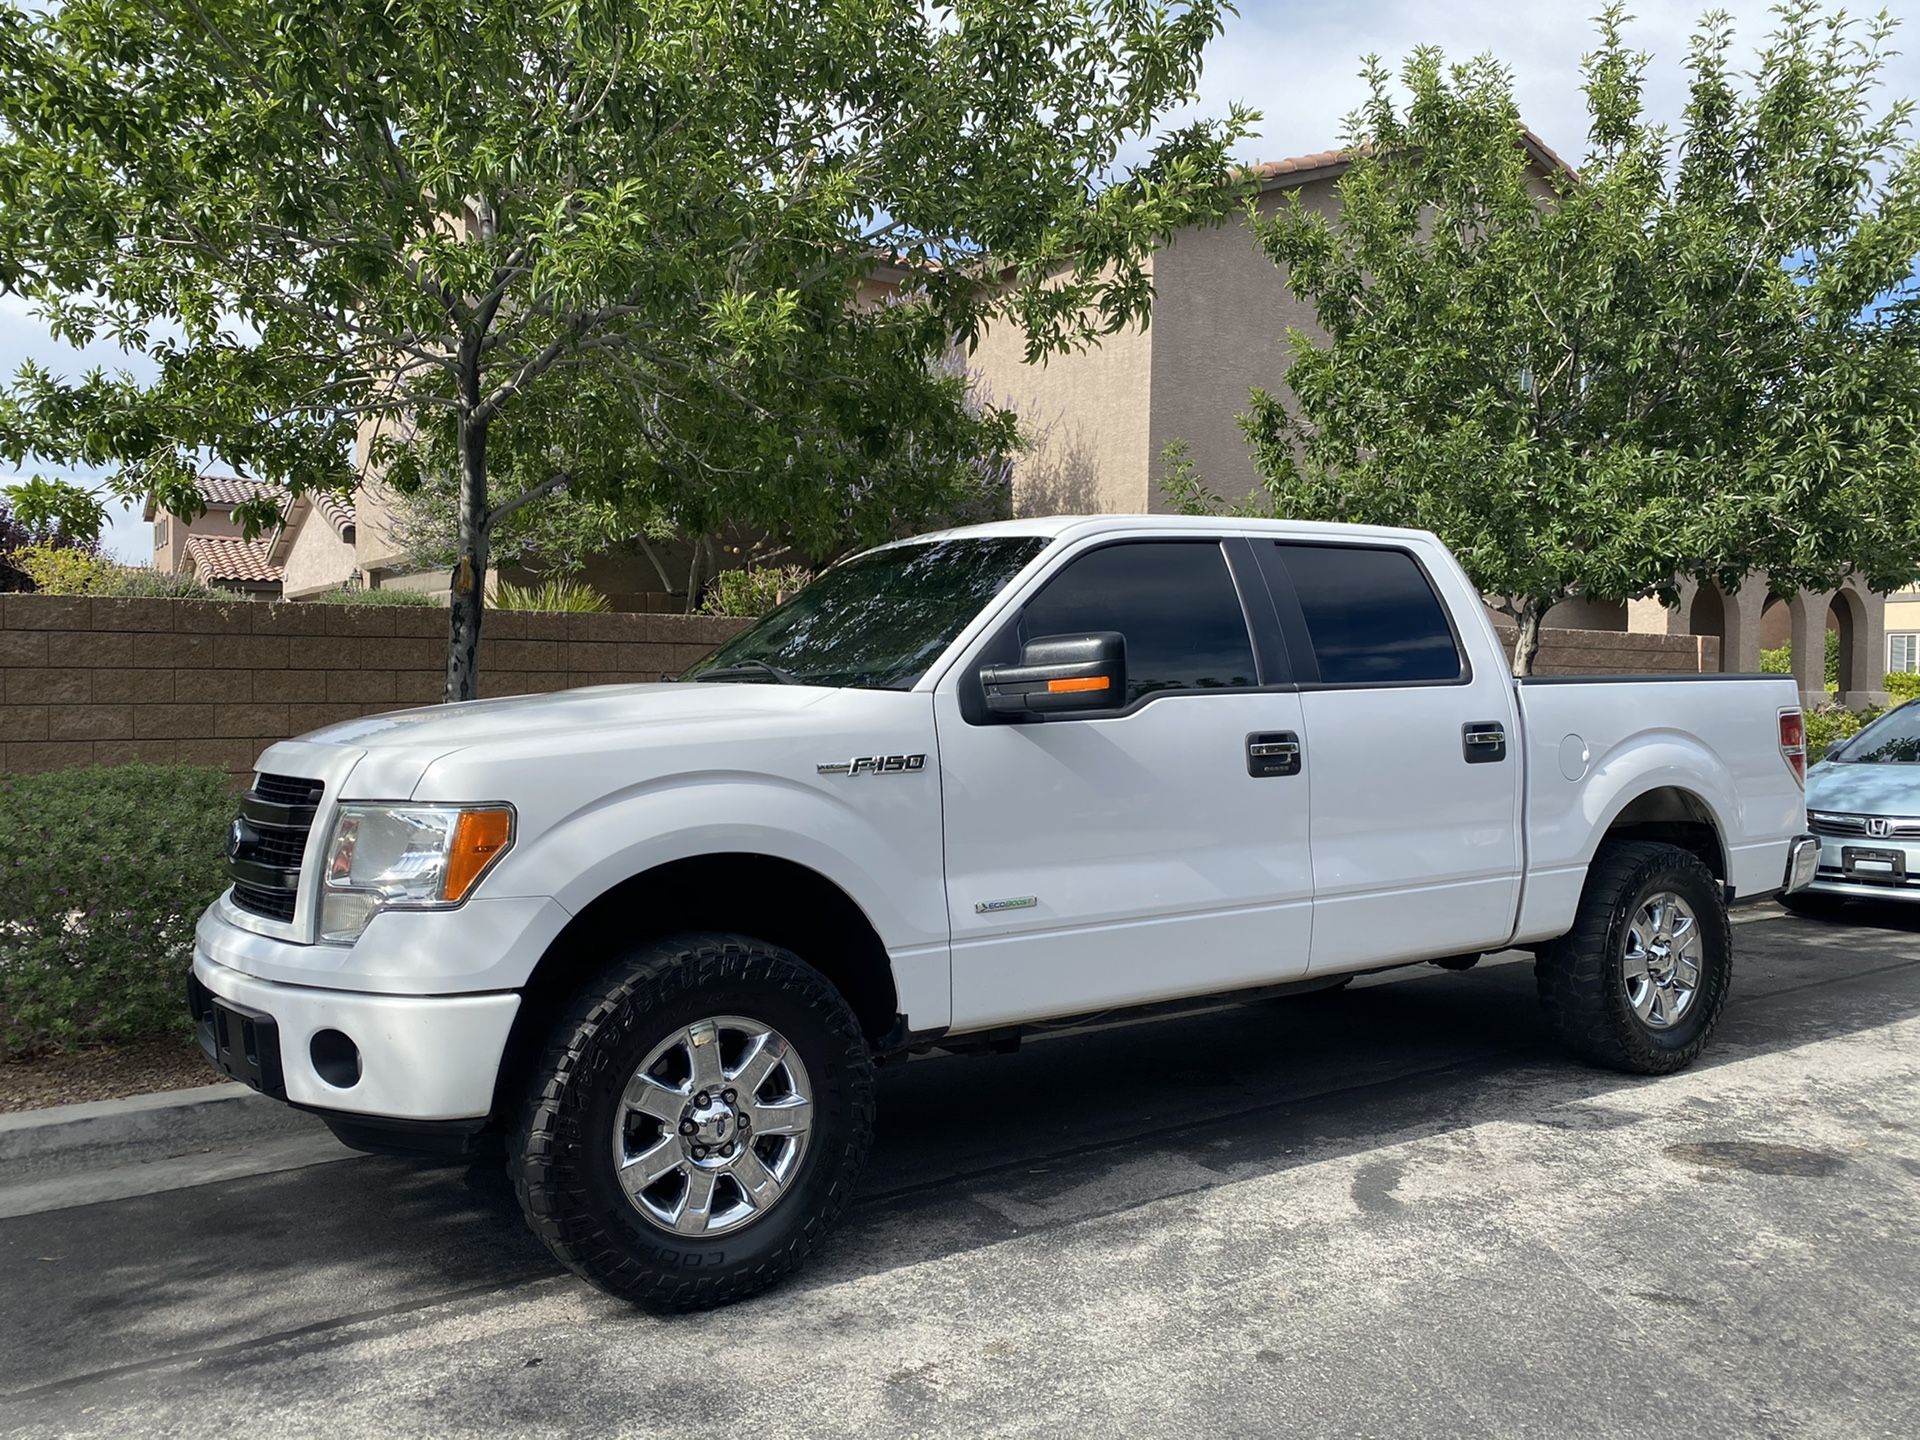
point(1903, 652)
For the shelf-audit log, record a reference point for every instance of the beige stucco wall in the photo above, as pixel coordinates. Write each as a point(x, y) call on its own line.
point(317, 561)
point(1903, 612)
point(170, 535)
point(1220, 319)
point(1085, 415)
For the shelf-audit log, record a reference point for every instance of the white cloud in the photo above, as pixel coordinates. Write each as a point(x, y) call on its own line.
point(1298, 63)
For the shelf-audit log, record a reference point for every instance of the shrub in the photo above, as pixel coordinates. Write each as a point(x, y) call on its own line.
point(752, 593)
point(1779, 660)
point(60, 570)
point(344, 596)
point(1829, 724)
point(570, 595)
point(1904, 684)
point(103, 872)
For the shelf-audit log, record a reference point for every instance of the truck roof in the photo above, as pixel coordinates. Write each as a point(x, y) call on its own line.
point(1055, 527)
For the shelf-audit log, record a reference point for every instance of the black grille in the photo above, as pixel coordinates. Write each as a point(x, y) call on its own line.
point(268, 841)
point(274, 904)
point(287, 790)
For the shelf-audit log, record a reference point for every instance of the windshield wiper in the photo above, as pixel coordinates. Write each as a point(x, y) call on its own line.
point(750, 670)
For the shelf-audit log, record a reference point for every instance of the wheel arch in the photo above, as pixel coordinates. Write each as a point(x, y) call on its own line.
point(768, 897)
point(1672, 813)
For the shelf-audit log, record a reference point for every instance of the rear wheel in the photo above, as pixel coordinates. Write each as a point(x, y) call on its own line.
point(1639, 982)
point(698, 1121)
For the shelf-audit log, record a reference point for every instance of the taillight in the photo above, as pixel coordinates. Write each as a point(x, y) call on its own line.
point(1793, 744)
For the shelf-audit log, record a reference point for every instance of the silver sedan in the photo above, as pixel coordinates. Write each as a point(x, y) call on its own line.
point(1863, 801)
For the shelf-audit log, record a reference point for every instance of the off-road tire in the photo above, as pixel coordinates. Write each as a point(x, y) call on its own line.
point(1580, 978)
point(560, 1157)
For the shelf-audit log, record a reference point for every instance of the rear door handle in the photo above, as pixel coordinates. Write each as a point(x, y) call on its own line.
point(1483, 741)
point(1273, 752)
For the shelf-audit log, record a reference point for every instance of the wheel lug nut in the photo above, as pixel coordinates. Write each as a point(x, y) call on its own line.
point(743, 1123)
point(731, 1096)
point(703, 1100)
point(687, 1127)
point(699, 1152)
point(727, 1149)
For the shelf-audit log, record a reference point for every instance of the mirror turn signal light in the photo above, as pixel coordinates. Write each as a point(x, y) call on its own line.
point(1080, 683)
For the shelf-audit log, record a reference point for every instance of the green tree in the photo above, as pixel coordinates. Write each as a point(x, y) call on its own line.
point(615, 245)
point(1696, 358)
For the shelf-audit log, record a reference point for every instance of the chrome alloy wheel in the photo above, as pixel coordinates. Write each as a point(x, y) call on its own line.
point(712, 1126)
point(1661, 967)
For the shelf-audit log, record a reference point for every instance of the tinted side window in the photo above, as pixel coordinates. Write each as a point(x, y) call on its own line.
point(1371, 615)
point(1173, 600)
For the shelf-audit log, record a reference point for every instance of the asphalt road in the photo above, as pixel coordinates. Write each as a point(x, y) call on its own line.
point(1392, 1211)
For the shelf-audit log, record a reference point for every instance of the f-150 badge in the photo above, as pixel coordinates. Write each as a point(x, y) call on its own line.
point(875, 765)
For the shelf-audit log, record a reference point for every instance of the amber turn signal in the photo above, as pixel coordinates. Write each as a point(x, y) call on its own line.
point(478, 837)
point(1085, 682)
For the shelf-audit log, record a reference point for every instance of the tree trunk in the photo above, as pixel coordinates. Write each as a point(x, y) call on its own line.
point(1526, 642)
point(467, 603)
point(693, 573)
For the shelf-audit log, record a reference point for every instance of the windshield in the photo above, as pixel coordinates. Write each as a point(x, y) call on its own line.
point(1893, 739)
point(878, 621)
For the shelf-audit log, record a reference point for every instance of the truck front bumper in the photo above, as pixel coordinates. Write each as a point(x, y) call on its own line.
point(404, 1058)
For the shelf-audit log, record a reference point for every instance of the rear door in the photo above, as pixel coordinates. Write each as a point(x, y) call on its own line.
point(1151, 851)
point(1416, 769)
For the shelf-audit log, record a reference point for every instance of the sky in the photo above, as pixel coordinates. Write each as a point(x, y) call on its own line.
point(1298, 64)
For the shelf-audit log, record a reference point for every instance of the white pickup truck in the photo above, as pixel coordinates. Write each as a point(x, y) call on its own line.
point(655, 938)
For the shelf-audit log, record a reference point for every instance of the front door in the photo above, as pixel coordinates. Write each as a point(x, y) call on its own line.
point(1152, 851)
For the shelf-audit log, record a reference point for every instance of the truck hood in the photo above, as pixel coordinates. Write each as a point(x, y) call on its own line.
point(446, 728)
point(1864, 789)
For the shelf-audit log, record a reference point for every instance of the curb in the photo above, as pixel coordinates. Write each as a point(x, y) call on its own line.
point(182, 1119)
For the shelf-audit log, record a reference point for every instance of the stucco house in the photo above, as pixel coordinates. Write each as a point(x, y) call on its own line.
point(1102, 418)
point(211, 546)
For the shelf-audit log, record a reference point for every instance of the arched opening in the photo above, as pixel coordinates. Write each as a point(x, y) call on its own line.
point(1846, 619)
point(1708, 616)
point(1776, 624)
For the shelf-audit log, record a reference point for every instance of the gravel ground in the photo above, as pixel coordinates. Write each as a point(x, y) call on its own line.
point(106, 1072)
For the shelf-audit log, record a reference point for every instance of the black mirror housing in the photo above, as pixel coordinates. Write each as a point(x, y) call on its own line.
point(1060, 674)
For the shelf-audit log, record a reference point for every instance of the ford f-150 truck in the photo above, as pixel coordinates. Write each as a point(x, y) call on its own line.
point(653, 939)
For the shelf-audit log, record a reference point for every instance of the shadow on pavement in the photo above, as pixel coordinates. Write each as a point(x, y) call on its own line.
point(970, 1152)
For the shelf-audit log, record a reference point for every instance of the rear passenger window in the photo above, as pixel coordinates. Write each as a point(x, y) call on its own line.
point(1173, 600)
point(1371, 615)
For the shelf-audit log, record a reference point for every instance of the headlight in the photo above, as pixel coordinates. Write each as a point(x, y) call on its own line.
point(406, 857)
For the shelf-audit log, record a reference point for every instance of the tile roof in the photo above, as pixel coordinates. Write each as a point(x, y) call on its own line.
point(230, 489)
point(1543, 153)
point(339, 513)
point(215, 558)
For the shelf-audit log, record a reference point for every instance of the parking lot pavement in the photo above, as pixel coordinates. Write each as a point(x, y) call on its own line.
point(1390, 1211)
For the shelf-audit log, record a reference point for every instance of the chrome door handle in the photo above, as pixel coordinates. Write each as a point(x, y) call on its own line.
point(1483, 741)
point(1276, 752)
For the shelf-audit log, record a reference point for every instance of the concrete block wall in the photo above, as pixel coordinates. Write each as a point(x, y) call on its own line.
point(102, 682)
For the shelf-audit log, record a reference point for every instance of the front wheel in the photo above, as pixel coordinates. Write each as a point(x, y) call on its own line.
point(697, 1123)
point(1639, 982)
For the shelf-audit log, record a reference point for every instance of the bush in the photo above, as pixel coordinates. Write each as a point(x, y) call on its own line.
point(752, 593)
point(374, 597)
point(103, 872)
point(570, 595)
point(1779, 660)
point(1904, 684)
point(60, 570)
point(1827, 725)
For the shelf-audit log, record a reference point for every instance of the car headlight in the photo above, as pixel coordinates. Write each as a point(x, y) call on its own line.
point(406, 857)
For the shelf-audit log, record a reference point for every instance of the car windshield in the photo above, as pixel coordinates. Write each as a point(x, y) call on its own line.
point(876, 622)
point(1893, 739)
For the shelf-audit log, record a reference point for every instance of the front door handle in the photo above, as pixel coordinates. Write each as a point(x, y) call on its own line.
point(1483, 741)
point(1273, 752)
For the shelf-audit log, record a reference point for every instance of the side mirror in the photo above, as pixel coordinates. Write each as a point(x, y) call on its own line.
point(1060, 673)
